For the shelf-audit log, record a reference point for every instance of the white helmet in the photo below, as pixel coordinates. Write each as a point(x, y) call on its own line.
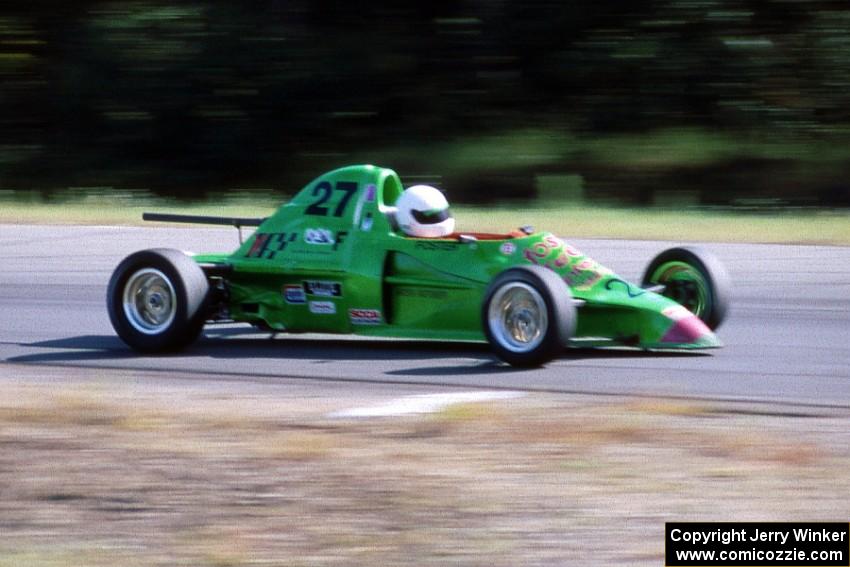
point(424, 212)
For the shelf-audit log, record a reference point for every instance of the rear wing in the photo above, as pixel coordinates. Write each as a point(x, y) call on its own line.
point(237, 222)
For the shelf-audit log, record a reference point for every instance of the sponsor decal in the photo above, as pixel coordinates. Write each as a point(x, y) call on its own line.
point(322, 307)
point(323, 289)
point(371, 193)
point(575, 268)
point(630, 290)
point(507, 248)
point(438, 245)
point(340, 238)
point(321, 236)
point(294, 294)
point(268, 245)
point(364, 316)
point(367, 223)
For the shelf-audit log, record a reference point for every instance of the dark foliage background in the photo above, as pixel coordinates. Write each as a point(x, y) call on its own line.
point(732, 101)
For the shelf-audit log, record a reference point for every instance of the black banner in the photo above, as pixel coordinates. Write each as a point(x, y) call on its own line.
point(761, 544)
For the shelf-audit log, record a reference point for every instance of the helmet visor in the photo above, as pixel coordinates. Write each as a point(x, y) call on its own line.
point(431, 217)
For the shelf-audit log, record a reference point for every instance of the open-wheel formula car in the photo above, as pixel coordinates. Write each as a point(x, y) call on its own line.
point(333, 260)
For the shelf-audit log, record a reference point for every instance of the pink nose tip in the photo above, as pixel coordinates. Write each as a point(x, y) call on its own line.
point(686, 330)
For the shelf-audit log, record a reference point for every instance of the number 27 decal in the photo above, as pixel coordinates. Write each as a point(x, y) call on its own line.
point(324, 190)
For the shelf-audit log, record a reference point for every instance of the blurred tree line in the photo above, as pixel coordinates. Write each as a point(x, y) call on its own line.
point(727, 99)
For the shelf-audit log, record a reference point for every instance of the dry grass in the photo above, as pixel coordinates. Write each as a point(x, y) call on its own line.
point(297, 446)
point(97, 476)
point(699, 225)
point(576, 219)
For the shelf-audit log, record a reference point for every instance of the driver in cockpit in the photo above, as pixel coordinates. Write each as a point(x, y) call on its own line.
point(422, 211)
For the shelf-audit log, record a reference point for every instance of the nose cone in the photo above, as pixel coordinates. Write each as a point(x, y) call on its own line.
point(687, 330)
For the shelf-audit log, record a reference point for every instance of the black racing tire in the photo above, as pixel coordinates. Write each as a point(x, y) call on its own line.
point(528, 315)
point(157, 300)
point(695, 278)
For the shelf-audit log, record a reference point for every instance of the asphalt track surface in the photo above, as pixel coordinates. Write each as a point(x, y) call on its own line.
point(787, 337)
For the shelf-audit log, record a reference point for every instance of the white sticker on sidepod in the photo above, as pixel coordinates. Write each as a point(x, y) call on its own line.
point(322, 307)
point(294, 294)
point(364, 316)
point(322, 288)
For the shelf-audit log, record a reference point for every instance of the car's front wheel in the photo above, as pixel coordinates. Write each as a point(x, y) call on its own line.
point(157, 300)
point(528, 315)
point(694, 278)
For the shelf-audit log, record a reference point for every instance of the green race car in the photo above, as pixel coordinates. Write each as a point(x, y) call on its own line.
point(333, 260)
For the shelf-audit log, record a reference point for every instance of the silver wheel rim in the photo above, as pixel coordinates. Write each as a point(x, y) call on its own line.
point(149, 301)
point(517, 317)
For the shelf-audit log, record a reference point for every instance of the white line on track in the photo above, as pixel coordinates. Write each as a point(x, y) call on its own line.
point(424, 403)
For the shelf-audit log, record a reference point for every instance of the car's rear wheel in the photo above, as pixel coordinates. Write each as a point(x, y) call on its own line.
point(694, 278)
point(528, 315)
point(157, 300)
